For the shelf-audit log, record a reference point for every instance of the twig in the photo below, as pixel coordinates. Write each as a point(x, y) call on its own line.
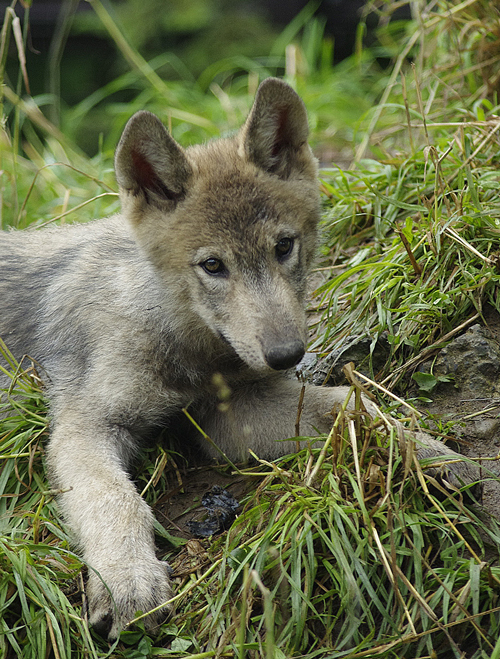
point(426, 351)
point(453, 234)
point(76, 208)
point(407, 246)
point(360, 151)
point(389, 393)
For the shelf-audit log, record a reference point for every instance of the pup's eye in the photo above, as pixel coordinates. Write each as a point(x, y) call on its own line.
point(284, 248)
point(213, 266)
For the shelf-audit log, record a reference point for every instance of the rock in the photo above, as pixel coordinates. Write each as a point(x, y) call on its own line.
point(473, 360)
point(472, 400)
point(328, 371)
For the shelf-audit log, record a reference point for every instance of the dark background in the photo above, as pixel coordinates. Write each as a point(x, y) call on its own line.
point(198, 31)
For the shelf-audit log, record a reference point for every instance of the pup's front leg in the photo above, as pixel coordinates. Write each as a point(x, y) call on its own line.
point(260, 415)
point(111, 523)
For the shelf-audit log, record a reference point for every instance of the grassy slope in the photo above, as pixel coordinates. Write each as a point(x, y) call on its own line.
point(344, 552)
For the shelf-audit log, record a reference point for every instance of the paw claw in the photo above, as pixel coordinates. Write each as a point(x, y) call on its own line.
point(115, 600)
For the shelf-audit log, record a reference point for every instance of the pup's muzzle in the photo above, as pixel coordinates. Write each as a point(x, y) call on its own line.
point(285, 355)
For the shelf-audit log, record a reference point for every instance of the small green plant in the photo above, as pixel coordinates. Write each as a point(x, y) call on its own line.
point(427, 382)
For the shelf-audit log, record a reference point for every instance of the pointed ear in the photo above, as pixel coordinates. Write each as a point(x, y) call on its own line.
point(149, 162)
point(275, 134)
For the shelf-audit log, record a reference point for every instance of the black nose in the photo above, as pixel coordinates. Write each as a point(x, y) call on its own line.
point(285, 355)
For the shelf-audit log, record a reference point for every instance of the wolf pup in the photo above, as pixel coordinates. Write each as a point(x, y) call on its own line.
point(201, 277)
point(203, 273)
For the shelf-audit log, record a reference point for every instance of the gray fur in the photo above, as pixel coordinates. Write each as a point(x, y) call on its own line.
point(129, 326)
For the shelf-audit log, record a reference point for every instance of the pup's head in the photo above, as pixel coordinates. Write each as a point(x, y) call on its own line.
point(231, 225)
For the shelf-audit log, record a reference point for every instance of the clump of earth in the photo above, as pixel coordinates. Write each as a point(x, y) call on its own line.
point(465, 395)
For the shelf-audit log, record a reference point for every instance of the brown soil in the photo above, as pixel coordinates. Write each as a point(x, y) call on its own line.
point(182, 503)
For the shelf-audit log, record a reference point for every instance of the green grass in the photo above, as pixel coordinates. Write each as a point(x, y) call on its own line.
point(411, 236)
point(346, 550)
point(356, 558)
point(352, 551)
point(416, 249)
point(39, 575)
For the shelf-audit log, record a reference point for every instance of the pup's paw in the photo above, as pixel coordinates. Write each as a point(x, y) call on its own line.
point(119, 592)
point(450, 468)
